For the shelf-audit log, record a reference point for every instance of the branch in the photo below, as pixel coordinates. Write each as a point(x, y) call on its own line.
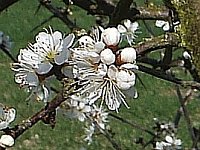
point(62, 15)
point(51, 107)
point(155, 43)
point(104, 7)
point(134, 125)
point(120, 12)
point(186, 115)
point(6, 3)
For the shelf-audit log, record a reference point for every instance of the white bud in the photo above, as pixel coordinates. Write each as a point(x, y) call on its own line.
point(107, 56)
point(111, 36)
point(169, 139)
point(125, 79)
point(186, 55)
point(7, 141)
point(128, 55)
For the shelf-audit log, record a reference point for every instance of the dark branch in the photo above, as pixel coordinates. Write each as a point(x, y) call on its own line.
point(151, 44)
point(60, 13)
point(6, 3)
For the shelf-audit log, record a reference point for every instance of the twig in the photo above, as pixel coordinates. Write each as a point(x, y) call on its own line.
point(110, 139)
point(58, 13)
point(120, 12)
point(43, 22)
point(25, 125)
point(155, 43)
point(180, 110)
point(103, 7)
point(7, 52)
point(186, 115)
point(134, 125)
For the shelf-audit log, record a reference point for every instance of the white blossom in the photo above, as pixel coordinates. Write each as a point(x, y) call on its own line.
point(128, 30)
point(89, 133)
point(7, 115)
point(128, 55)
point(6, 141)
point(186, 55)
point(165, 24)
point(162, 24)
point(125, 79)
point(49, 49)
point(111, 36)
point(77, 106)
point(107, 56)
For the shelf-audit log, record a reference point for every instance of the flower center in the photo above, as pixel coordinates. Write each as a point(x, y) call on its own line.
point(51, 55)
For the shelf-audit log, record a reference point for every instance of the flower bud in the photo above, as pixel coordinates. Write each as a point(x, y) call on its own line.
point(7, 141)
point(128, 55)
point(107, 56)
point(186, 55)
point(125, 79)
point(111, 36)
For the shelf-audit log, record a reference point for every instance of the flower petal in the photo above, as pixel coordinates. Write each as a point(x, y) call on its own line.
point(44, 68)
point(68, 41)
point(121, 28)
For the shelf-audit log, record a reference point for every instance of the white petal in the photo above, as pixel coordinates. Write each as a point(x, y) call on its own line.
point(159, 146)
point(160, 23)
point(11, 115)
point(99, 46)
point(32, 79)
point(128, 54)
point(127, 23)
point(186, 55)
point(107, 56)
point(177, 142)
point(57, 36)
point(129, 66)
point(61, 57)
point(134, 27)
point(86, 41)
point(3, 125)
point(68, 41)
point(169, 139)
point(112, 72)
point(111, 36)
point(166, 27)
point(7, 141)
point(44, 68)
point(121, 28)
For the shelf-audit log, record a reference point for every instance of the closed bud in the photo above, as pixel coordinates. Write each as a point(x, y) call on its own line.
point(6, 141)
point(111, 36)
point(128, 55)
point(107, 56)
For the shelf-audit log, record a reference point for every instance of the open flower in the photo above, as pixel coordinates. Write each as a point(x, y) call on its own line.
point(78, 107)
point(169, 143)
point(128, 30)
point(49, 49)
point(7, 115)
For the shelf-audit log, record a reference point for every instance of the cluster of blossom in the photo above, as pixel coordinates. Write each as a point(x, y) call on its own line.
point(167, 137)
point(98, 60)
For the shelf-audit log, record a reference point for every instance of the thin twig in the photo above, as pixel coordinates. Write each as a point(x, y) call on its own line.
point(134, 125)
point(186, 115)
